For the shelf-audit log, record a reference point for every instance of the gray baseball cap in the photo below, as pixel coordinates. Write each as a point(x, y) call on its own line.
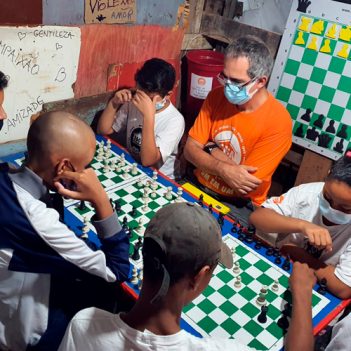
point(188, 237)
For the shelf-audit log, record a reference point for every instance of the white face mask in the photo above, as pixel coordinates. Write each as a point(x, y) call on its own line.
point(332, 215)
point(160, 105)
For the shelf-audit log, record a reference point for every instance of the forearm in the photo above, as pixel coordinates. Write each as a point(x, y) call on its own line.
point(269, 221)
point(107, 118)
point(300, 334)
point(202, 160)
point(149, 154)
point(218, 154)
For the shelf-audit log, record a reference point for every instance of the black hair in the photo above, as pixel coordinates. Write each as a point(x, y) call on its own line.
point(3, 81)
point(156, 76)
point(341, 169)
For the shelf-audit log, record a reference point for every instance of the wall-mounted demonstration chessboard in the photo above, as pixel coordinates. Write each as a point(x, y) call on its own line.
point(312, 75)
point(251, 302)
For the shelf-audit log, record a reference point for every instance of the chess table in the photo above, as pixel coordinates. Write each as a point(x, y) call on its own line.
point(222, 310)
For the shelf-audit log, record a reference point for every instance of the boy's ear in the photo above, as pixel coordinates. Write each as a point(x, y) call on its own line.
point(170, 93)
point(62, 166)
point(200, 280)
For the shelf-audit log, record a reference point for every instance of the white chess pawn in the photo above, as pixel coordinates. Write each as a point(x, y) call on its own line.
point(168, 194)
point(233, 251)
point(126, 172)
point(108, 143)
point(134, 169)
point(134, 279)
point(154, 175)
point(154, 185)
point(179, 195)
point(236, 268)
point(145, 207)
point(140, 225)
point(261, 299)
point(140, 184)
point(106, 166)
point(153, 194)
point(237, 282)
point(275, 286)
point(118, 168)
point(113, 164)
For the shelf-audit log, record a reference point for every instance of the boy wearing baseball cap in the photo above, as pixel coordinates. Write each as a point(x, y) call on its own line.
point(182, 247)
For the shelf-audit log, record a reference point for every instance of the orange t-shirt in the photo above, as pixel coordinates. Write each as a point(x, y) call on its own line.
point(260, 139)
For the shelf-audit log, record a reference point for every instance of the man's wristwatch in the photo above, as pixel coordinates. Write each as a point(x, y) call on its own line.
point(210, 147)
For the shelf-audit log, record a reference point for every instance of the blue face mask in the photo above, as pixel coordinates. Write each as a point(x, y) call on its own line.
point(238, 95)
point(332, 215)
point(160, 105)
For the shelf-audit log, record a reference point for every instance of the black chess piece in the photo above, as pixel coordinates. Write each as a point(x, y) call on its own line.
point(287, 309)
point(82, 206)
point(136, 253)
point(286, 264)
point(324, 140)
point(220, 219)
point(262, 317)
point(250, 234)
point(118, 206)
point(331, 129)
point(339, 146)
point(133, 212)
point(270, 251)
point(125, 220)
point(322, 286)
point(234, 228)
point(258, 245)
point(319, 121)
point(278, 259)
point(299, 132)
point(307, 115)
point(201, 200)
point(276, 252)
point(312, 134)
point(342, 133)
point(210, 208)
point(283, 322)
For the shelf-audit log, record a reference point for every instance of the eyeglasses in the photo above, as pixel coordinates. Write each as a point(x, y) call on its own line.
point(223, 80)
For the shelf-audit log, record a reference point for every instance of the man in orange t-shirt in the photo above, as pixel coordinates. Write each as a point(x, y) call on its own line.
point(242, 132)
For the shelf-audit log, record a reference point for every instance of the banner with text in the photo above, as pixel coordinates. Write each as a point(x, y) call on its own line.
point(41, 64)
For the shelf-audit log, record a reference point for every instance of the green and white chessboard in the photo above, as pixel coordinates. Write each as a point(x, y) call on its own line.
point(225, 311)
point(128, 189)
point(312, 77)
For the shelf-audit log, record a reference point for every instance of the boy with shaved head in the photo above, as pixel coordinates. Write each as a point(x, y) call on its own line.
point(40, 257)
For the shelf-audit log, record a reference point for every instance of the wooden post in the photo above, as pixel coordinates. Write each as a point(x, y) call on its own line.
point(313, 168)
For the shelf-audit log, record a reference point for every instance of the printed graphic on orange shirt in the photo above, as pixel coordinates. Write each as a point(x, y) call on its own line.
point(229, 140)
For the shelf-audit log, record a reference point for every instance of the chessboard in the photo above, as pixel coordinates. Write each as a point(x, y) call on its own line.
point(312, 77)
point(230, 309)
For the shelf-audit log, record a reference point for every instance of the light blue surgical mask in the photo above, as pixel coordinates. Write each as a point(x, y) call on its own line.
point(331, 214)
point(160, 105)
point(238, 95)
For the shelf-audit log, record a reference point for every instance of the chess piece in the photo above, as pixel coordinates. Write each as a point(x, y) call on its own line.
point(154, 185)
point(85, 228)
point(331, 33)
point(140, 184)
point(331, 128)
point(283, 322)
point(140, 226)
point(304, 24)
point(168, 194)
point(275, 286)
point(276, 252)
point(322, 286)
point(319, 121)
point(286, 264)
point(300, 39)
point(344, 52)
point(154, 176)
point(82, 206)
point(134, 170)
point(270, 251)
point(342, 133)
point(262, 317)
point(250, 234)
point(210, 208)
point(313, 45)
point(145, 207)
point(236, 268)
point(133, 212)
point(339, 146)
point(278, 259)
point(237, 282)
point(153, 194)
point(201, 200)
point(220, 219)
point(312, 134)
point(118, 168)
point(299, 132)
point(233, 252)
point(345, 34)
point(134, 280)
point(324, 140)
point(317, 27)
point(106, 166)
point(258, 245)
point(261, 299)
point(118, 207)
point(307, 115)
point(326, 47)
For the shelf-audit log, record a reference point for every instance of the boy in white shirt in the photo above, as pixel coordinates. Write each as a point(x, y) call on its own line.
point(179, 259)
point(314, 223)
point(144, 120)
